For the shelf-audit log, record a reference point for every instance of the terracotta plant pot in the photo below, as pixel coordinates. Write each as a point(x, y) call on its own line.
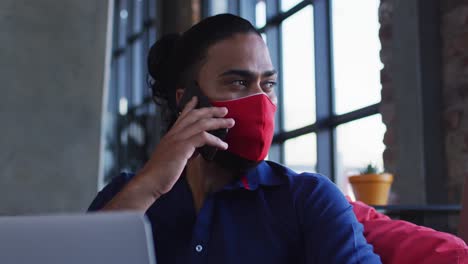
point(372, 189)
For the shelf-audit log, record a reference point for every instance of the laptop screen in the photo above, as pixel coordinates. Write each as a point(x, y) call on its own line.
point(117, 238)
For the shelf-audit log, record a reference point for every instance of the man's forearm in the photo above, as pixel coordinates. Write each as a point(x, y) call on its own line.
point(135, 196)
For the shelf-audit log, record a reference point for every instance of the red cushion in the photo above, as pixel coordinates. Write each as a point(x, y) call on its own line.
point(402, 242)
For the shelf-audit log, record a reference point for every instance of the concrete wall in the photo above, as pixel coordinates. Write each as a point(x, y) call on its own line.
point(52, 61)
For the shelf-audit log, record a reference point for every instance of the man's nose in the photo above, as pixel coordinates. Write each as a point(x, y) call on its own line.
point(255, 88)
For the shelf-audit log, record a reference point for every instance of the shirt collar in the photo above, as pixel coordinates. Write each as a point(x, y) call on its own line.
point(262, 174)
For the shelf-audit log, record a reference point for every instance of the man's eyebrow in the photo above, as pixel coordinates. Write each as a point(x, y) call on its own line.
point(238, 72)
point(246, 73)
point(269, 73)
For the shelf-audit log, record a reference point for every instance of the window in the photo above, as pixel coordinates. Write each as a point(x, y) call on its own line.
point(129, 107)
point(288, 4)
point(356, 71)
point(327, 53)
point(356, 47)
point(301, 153)
point(358, 143)
point(297, 36)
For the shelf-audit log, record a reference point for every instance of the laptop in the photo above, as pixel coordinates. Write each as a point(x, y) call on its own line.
point(116, 238)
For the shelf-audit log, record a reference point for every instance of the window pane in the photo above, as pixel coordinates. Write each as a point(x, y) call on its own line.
point(298, 69)
point(123, 21)
point(260, 14)
point(358, 143)
point(219, 7)
point(137, 16)
point(356, 47)
point(113, 94)
point(121, 76)
point(152, 9)
point(288, 4)
point(275, 153)
point(301, 153)
point(138, 66)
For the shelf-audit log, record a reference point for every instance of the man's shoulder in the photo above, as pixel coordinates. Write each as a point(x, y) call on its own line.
point(308, 188)
point(299, 179)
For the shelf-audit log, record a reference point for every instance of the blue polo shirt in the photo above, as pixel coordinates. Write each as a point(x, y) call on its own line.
point(271, 215)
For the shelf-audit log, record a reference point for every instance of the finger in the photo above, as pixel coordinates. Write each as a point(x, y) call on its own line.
point(187, 108)
point(205, 138)
point(197, 114)
point(206, 124)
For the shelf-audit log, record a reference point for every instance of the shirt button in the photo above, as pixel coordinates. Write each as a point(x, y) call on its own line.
point(199, 248)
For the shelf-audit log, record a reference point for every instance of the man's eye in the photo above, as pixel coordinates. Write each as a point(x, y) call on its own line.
point(269, 85)
point(240, 82)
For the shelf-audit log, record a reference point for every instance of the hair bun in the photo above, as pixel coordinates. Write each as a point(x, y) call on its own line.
point(160, 57)
point(161, 68)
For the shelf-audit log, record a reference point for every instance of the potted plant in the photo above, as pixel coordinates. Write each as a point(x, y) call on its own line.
point(371, 187)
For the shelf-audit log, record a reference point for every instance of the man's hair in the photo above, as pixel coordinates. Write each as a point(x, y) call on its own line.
point(174, 58)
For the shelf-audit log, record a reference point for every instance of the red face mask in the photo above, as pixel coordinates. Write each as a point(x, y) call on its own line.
point(251, 136)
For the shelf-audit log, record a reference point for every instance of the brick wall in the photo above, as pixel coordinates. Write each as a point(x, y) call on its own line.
point(454, 40)
point(387, 108)
point(454, 31)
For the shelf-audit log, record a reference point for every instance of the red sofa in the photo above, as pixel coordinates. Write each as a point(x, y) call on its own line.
point(402, 242)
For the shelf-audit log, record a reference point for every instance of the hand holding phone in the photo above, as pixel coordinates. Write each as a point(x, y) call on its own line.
point(193, 89)
point(169, 159)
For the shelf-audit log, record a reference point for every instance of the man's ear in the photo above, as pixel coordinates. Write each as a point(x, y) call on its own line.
point(178, 95)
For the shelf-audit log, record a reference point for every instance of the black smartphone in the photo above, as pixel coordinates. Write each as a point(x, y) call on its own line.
point(193, 89)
